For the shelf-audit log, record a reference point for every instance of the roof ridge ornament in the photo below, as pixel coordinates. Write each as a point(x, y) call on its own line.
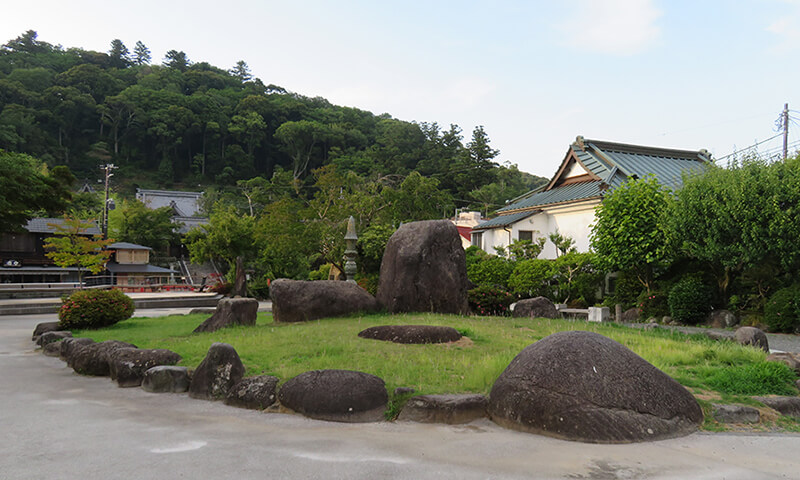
point(580, 142)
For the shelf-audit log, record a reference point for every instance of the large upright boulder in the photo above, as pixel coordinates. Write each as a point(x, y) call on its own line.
point(217, 373)
point(586, 387)
point(424, 269)
point(300, 301)
point(230, 312)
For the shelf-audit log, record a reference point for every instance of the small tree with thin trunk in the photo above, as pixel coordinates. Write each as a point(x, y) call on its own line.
point(71, 247)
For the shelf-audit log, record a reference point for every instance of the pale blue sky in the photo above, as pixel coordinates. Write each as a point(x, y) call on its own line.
point(685, 74)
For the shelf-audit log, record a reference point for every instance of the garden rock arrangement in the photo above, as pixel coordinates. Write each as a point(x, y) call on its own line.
point(127, 366)
point(230, 312)
point(50, 337)
point(93, 359)
point(450, 409)
point(789, 406)
point(217, 373)
point(255, 393)
point(586, 387)
point(424, 270)
point(45, 327)
point(412, 334)
point(300, 301)
point(336, 395)
point(735, 414)
point(722, 319)
point(539, 307)
point(753, 337)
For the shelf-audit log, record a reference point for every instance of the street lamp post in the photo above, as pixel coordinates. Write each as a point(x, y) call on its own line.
point(350, 251)
point(108, 202)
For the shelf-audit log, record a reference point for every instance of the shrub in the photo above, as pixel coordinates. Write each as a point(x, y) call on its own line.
point(627, 289)
point(532, 278)
point(94, 309)
point(782, 311)
point(369, 282)
point(653, 304)
point(689, 301)
point(490, 271)
point(577, 277)
point(486, 300)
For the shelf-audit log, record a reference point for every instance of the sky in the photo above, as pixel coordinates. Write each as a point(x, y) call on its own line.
point(687, 74)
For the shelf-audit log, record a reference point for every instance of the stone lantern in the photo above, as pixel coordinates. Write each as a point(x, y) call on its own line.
point(350, 251)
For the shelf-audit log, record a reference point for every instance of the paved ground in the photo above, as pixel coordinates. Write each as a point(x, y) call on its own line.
point(59, 425)
point(778, 342)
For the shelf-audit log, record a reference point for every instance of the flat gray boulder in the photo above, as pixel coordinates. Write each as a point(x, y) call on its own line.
point(538, 307)
point(166, 379)
point(583, 386)
point(450, 409)
point(753, 337)
point(735, 414)
point(127, 366)
point(411, 333)
point(231, 312)
point(93, 359)
point(50, 337)
point(256, 393)
point(220, 370)
point(45, 327)
point(301, 301)
point(788, 406)
point(424, 269)
point(336, 395)
point(52, 349)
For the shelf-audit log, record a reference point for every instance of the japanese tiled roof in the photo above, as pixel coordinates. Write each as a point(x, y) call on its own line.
point(48, 225)
point(607, 166)
point(127, 246)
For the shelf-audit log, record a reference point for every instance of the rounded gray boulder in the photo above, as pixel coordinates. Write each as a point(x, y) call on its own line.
point(424, 269)
point(231, 312)
point(127, 366)
point(751, 336)
point(537, 307)
point(166, 379)
point(336, 395)
point(583, 386)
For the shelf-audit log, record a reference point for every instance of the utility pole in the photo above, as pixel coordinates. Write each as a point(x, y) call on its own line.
point(107, 171)
point(785, 130)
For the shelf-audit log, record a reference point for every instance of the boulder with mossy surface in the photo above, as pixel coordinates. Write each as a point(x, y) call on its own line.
point(411, 333)
point(336, 395)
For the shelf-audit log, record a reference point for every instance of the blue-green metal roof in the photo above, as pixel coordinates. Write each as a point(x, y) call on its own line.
point(609, 166)
point(504, 220)
point(567, 193)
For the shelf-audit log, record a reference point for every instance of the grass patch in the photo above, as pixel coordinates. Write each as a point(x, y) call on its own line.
point(723, 369)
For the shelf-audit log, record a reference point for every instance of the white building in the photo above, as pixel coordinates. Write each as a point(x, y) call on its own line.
point(567, 203)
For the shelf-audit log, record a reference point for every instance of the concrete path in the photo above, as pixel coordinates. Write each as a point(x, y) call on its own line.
point(778, 342)
point(59, 425)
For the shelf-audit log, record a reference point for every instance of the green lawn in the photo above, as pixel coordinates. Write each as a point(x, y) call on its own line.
point(717, 370)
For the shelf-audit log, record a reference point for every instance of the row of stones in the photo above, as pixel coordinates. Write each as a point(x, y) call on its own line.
point(336, 395)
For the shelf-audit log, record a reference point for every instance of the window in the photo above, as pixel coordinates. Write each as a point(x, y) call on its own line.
point(477, 239)
point(525, 235)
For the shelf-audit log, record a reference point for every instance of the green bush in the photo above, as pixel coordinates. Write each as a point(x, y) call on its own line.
point(653, 304)
point(627, 289)
point(490, 271)
point(487, 300)
point(577, 278)
point(689, 301)
point(782, 311)
point(94, 309)
point(369, 282)
point(532, 278)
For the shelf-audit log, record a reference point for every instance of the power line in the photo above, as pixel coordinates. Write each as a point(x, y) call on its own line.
point(748, 147)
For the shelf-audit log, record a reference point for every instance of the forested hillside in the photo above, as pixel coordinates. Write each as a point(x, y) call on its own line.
point(184, 123)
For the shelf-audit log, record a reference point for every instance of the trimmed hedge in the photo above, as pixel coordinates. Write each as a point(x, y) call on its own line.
point(94, 309)
point(689, 301)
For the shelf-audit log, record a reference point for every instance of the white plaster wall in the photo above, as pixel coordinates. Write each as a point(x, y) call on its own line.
point(573, 220)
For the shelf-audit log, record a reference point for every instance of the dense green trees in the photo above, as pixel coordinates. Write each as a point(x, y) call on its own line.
point(191, 123)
